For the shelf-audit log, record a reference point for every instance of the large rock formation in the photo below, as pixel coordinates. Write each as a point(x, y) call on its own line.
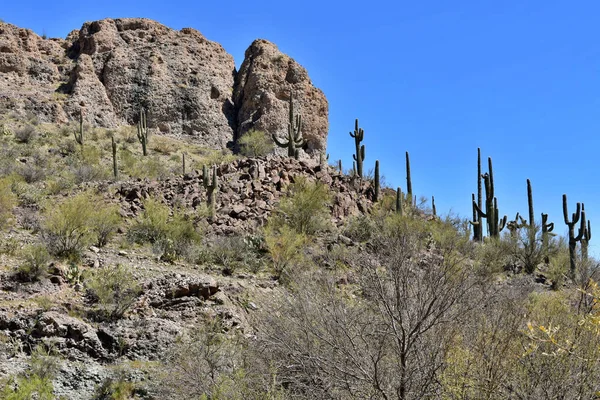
point(113, 67)
point(262, 91)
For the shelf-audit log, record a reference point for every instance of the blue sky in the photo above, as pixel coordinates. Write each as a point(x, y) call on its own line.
point(520, 79)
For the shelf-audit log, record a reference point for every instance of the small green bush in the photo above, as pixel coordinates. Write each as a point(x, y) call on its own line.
point(285, 248)
point(35, 264)
point(104, 223)
point(7, 203)
point(151, 225)
point(25, 134)
point(67, 230)
point(76, 223)
point(37, 382)
point(114, 289)
point(234, 253)
point(255, 143)
point(172, 237)
point(306, 209)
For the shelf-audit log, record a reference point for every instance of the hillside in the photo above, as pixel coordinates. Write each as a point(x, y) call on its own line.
point(141, 263)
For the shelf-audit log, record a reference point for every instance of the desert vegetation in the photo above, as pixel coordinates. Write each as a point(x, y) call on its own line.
point(142, 261)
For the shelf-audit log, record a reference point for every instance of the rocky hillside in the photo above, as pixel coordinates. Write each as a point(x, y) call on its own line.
point(112, 68)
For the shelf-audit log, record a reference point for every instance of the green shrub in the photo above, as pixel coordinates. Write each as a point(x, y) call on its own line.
point(255, 143)
point(233, 253)
point(25, 134)
point(115, 388)
point(35, 264)
point(77, 222)
point(7, 203)
point(151, 225)
point(171, 237)
point(285, 248)
point(359, 228)
point(37, 382)
point(114, 289)
point(104, 222)
point(306, 209)
point(26, 388)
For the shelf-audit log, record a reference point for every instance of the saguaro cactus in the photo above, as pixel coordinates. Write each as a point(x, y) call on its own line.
point(433, 210)
point(294, 135)
point(205, 176)
point(409, 191)
point(142, 131)
point(494, 222)
point(79, 134)
point(477, 223)
point(376, 181)
point(399, 201)
point(183, 163)
point(114, 156)
point(514, 226)
point(575, 217)
point(359, 156)
point(547, 229)
point(212, 189)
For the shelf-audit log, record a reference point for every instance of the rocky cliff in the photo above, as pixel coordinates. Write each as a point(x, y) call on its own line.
point(189, 85)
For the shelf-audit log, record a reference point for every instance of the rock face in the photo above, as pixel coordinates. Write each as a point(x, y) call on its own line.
point(113, 67)
point(262, 91)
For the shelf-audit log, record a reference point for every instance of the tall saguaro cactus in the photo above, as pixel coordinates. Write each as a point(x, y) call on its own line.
point(477, 224)
point(295, 141)
point(212, 189)
point(79, 134)
point(575, 217)
point(547, 229)
point(359, 156)
point(114, 156)
point(585, 239)
point(376, 179)
point(495, 224)
point(142, 131)
point(409, 191)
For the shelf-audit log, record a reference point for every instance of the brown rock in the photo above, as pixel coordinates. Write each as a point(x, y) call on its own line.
point(262, 93)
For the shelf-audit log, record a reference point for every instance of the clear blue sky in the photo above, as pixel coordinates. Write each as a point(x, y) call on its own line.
point(520, 79)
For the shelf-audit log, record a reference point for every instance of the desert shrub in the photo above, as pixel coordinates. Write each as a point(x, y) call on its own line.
point(114, 289)
point(75, 223)
point(36, 259)
point(255, 143)
point(89, 173)
point(36, 383)
point(104, 223)
point(233, 253)
point(34, 171)
point(359, 228)
point(211, 364)
point(558, 266)
point(151, 224)
point(172, 236)
point(117, 387)
point(493, 256)
point(7, 203)
point(305, 209)
point(285, 248)
point(25, 134)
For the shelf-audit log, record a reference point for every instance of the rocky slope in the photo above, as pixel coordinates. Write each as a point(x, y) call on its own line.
point(113, 67)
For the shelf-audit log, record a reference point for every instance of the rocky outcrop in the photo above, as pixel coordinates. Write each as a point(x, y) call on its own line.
point(263, 86)
point(113, 67)
point(249, 190)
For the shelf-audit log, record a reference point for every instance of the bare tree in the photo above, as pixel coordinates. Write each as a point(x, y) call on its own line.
point(384, 338)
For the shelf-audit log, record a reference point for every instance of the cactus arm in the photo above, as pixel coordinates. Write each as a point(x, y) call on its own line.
point(278, 142)
point(479, 211)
